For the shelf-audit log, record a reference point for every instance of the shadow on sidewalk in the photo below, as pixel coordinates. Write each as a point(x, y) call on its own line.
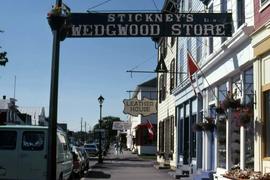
point(97, 174)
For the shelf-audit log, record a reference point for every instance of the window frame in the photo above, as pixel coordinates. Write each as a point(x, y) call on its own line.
point(13, 147)
point(33, 132)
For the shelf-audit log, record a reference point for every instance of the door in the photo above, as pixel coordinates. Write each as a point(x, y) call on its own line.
point(186, 157)
point(8, 154)
point(32, 155)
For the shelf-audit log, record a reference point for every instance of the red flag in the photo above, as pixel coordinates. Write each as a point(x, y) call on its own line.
point(192, 66)
point(150, 130)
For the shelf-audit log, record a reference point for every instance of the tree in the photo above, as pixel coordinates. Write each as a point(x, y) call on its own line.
point(106, 124)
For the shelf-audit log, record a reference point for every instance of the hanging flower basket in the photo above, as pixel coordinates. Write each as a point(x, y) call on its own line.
point(231, 102)
point(197, 127)
point(220, 110)
point(58, 19)
point(208, 126)
point(245, 116)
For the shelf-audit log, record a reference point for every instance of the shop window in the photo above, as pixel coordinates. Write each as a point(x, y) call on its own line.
point(267, 123)
point(33, 141)
point(8, 140)
point(221, 130)
point(249, 128)
point(193, 137)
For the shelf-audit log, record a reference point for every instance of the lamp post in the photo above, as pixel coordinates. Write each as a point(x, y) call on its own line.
point(100, 100)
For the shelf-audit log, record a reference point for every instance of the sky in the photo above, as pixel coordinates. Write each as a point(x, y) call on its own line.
point(89, 67)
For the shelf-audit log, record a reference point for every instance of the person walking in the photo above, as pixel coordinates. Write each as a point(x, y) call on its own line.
point(120, 148)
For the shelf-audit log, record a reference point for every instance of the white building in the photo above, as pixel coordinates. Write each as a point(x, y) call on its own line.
point(226, 66)
point(137, 136)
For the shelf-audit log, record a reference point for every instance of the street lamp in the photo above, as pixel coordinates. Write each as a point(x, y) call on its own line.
point(100, 100)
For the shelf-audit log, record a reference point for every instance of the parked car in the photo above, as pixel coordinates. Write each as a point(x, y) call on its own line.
point(78, 162)
point(23, 152)
point(91, 149)
point(86, 158)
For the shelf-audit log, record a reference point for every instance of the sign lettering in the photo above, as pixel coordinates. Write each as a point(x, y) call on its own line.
point(150, 24)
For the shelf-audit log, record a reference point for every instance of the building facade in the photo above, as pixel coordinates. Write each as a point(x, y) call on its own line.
point(225, 70)
point(138, 136)
point(261, 69)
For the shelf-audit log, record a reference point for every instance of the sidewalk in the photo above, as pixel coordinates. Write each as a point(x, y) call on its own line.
point(126, 166)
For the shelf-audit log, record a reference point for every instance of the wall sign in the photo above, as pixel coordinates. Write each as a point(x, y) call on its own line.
point(150, 24)
point(120, 125)
point(144, 107)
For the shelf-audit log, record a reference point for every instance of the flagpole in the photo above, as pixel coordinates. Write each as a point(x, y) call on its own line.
point(202, 74)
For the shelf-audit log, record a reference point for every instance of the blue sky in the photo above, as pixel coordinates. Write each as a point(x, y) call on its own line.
point(88, 66)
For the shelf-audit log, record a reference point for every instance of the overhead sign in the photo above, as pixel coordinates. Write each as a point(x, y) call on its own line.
point(120, 125)
point(144, 107)
point(150, 24)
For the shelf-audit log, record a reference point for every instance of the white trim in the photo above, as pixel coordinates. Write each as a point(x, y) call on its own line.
point(262, 7)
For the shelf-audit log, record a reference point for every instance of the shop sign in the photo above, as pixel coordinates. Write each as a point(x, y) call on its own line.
point(150, 24)
point(120, 125)
point(144, 107)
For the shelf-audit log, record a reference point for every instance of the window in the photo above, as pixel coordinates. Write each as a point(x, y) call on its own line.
point(8, 140)
point(182, 65)
point(240, 12)
point(193, 137)
point(33, 141)
point(163, 48)
point(172, 75)
point(249, 130)
point(161, 137)
point(161, 77)
point(198, 49)
point(211, 40)
point(221, 130)
point(172, 41)
point(223, 9)
point(172, 133)
point(263, 2)
point(267, 123)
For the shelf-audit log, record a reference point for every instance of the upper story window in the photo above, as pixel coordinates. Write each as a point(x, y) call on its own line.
point(198, 49)
point(182, 65)
point(162, 87)
point(211, 40)
point(223, 9)
point(263, 2)
point(163, 48)
point(172, 75)
point(240, 12)
point(173, 41)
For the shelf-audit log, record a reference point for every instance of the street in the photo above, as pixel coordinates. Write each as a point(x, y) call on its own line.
point(125, 166)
